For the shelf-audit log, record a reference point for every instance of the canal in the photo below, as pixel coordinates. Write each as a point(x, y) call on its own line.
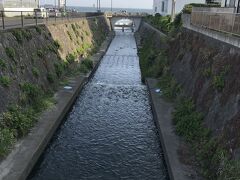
point(110, 131)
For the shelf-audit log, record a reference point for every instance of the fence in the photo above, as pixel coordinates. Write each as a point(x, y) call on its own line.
point(15, 19)
point(223, 22)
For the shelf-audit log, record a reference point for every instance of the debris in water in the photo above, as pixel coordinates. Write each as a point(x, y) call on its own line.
point(158, 90)
point(67, 87)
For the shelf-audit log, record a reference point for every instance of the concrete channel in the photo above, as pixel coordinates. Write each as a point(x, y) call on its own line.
point(27, 151)
point(109, 133)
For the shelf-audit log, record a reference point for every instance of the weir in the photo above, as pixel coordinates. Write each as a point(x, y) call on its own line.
point(110, 132)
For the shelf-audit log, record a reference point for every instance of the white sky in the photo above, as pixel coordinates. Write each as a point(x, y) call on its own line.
point(144, 4)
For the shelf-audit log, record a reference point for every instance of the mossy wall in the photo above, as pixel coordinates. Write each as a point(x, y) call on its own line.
point(200, 75)
point(40, 55)
point(207, 71)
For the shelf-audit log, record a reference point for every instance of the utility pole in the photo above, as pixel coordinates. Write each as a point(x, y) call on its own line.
point(38, 3)
point(173, 10)
point(99, 5)
point(111, 6)
point(65, 5)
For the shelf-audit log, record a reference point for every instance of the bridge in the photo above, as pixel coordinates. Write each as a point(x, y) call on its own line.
point(125, 23)
point(25, 19)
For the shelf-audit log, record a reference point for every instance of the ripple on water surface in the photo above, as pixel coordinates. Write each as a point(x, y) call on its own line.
point(109, 133)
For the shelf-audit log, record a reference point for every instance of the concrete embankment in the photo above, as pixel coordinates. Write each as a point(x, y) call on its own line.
point(162, 113)
point(207, 72)
point(172, 144)
point(39, 55)
point(22, 159)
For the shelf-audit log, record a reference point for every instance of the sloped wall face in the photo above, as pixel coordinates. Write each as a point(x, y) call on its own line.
point(146, 33)
point(38, 55)
point(79, 35)
point(208, 71)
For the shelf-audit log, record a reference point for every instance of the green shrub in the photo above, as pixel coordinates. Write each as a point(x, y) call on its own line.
point(19, 120)
point(183, 108)
point(164, 24)
point(52, 48)
point(40, 53)
point(188, 121)
point(59, 68)
point(88, 63)
point(77, 26)
point(230, 170)
point(2, 64)
point(51, 77)
point(6, 141)
point(18, 35)
point(153, 61)
point(35, 72)
point(86, 46)
point(177, 20)
point(83, 69)
point(169, 86)
point(57, 44)
point(80, 50)
point(73, 27)
point(219, 82)
point(38, 29)
point(190, 126)
point(5, 81)
point(70, 58)
point(87, 33)
point(27, 34)
point(10, 53)
point(187, 9)
point(207, 72)
point(69, 35)
point(31, 94)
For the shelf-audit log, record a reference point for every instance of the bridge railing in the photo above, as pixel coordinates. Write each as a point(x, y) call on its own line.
point(223, 22)
point(17, 19)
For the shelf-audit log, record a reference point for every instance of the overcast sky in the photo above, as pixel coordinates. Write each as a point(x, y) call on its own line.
point(144, 4)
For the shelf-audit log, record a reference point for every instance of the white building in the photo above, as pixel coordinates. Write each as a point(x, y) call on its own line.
point(235, 4)
point(61, 4)
point(18, 5)
point(164, 7)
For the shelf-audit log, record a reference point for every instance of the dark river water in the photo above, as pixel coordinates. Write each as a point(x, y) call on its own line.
point(110, 132)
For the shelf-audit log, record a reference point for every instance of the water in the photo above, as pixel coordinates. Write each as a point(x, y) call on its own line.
point(110, 132)
point(106, 9)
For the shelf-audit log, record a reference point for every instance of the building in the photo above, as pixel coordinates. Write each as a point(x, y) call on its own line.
point(62, 4)
point(164, 7)
point(18, 5)
point(234, 4)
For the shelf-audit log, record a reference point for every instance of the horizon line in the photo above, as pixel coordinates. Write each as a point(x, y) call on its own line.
point(107, 7)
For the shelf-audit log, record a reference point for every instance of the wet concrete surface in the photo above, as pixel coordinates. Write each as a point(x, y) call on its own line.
point(110, 132)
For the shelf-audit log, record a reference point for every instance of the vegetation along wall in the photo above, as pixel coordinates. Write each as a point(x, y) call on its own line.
point(33, 62)
point(201, 76)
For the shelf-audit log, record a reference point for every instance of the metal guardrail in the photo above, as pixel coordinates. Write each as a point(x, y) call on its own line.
point(16, 19)
point(223, 22)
